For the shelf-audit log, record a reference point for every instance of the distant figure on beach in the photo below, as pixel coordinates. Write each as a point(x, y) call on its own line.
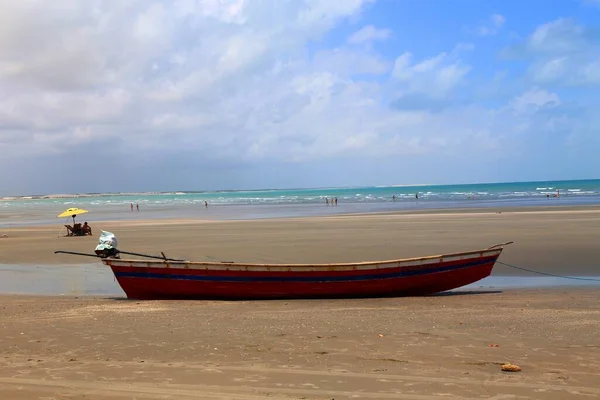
point(131, 206)
point(336, 201)
point(205, 204)
point(417, 195)
point(327, 200)
point(394, 198)
point(137, 206)
point(547, 196)
point(86, 229)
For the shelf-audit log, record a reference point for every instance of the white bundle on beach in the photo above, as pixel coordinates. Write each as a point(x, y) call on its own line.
point(107, 241)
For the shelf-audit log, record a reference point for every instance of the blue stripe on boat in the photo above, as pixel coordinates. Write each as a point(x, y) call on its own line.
point(217, 278)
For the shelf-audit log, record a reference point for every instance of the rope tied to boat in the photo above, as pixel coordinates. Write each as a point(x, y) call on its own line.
point(577, 278)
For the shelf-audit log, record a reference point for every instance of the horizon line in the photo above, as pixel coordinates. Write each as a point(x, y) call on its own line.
point(104, 194)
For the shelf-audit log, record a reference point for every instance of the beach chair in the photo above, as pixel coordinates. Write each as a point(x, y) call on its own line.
point(74, 230)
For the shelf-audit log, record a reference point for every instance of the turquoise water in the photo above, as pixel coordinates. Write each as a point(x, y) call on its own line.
point(483, 191)
point(248, 204)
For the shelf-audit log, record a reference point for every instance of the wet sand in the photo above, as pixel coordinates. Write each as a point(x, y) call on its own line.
point(449, 346)
point(556, 241)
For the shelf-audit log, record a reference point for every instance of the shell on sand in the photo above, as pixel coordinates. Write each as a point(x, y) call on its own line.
point(511, 368)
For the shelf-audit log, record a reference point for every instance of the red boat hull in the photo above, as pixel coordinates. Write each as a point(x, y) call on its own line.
point(162, 280)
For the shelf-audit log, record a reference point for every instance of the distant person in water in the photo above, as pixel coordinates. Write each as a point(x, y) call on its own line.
point(417, 196)
point(205, 203)
point(326, 200)
point(394, 198)
point(336, 201)
point(131, 206)
point(137, 206)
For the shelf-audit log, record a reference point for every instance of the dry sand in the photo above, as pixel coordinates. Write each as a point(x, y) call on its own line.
point(424, 348)
point(394, 348)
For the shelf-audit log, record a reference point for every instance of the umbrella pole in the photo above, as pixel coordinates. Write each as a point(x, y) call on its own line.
point(60, 231)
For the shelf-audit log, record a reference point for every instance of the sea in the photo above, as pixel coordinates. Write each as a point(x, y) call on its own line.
point(282, 203)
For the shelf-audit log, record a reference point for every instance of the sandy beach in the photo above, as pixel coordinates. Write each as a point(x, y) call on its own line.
point(560, 240)
point(445, 346)
point(448, 346)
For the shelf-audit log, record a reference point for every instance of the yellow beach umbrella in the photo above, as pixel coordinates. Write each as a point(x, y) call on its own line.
point(72, 212)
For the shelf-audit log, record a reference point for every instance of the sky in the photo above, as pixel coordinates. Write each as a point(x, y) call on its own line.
point(143, 95)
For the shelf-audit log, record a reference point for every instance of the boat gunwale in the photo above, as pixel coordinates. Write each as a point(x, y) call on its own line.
point(497, 249)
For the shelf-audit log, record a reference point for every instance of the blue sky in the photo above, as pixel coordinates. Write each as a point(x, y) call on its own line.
point(233, 94)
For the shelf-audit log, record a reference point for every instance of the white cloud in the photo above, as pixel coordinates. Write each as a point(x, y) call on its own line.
point(491, 26)
point(435, 76)
point(463, 48)
point(533, 100)
point(202, 85)
point(127, 63)
point(498, 20)
point(591, 72)
point(551, 70)
point(348, 62)
point(560, 36)
point(562, 52)
point(369, 33)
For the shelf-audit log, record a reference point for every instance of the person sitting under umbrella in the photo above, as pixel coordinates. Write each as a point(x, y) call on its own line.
point(86, 229)
point(79, 230)
point(75, 230)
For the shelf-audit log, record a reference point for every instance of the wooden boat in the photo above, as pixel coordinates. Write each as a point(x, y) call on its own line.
point(169, 279)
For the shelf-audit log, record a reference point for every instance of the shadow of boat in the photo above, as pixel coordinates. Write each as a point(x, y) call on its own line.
point(442, 294)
